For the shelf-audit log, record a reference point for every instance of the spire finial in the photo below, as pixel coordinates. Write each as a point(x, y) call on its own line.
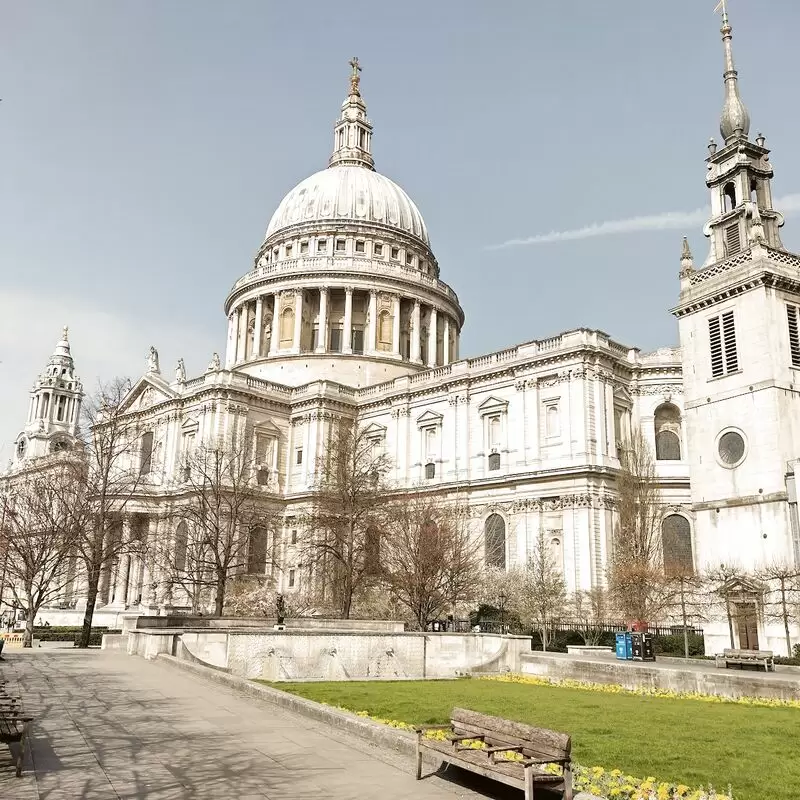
point(735, 120)
point(355, 78)
point(65, 333)
point(687, 262)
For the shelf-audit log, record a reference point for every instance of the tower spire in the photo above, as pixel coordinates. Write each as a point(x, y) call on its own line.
point(735, 121)
point(352, 134)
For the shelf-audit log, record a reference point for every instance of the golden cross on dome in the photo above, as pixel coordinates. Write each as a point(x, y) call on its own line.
point(354, 77)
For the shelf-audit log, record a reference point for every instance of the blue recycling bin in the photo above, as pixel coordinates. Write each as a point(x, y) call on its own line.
point(624, 646)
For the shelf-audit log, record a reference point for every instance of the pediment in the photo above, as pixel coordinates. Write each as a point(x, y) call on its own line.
point(267, 427)
point(189, 424)
point(743, 586)
point(493, 405)
point(429, 417)
point(373, 430)
point(148, 391)
point(622, 395)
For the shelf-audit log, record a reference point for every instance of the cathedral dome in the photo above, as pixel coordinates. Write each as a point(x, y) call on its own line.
point(349, 193)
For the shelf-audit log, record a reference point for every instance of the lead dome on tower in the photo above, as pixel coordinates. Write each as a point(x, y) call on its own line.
point(348, 193)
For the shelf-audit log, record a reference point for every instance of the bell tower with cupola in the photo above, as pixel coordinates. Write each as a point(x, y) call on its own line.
point(54, 408)
point(739, 323)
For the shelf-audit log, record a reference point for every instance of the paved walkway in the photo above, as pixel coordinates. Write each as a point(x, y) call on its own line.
point(114, 726)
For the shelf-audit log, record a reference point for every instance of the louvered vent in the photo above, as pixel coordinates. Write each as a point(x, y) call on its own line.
point(715, 337)
point(794, 336)
point(733, 240)
point(729, 340)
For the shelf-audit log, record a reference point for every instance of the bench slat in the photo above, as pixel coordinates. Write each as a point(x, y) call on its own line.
point(507, 731)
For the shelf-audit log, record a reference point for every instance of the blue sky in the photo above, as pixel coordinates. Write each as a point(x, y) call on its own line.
point(144, 146)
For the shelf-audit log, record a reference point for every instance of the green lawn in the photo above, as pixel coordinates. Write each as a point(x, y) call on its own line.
point(683, 741)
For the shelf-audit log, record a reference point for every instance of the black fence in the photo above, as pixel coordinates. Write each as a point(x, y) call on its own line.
point(590, 629)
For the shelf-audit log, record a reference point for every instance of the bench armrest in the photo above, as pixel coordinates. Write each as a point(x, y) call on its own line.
point(530, 761)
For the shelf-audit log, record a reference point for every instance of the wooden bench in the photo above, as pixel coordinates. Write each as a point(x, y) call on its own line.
point(742, 658)
point(14, 725)
point(533, 747)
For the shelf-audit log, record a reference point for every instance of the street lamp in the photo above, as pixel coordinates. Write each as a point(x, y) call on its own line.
point(501, 603)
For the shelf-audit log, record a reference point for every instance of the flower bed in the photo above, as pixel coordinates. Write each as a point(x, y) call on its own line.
point(613, 688)
point(598, 781)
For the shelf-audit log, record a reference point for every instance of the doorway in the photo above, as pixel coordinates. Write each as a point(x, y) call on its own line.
point(747, 623)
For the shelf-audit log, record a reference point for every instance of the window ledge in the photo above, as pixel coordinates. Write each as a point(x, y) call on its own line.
point(726, 375)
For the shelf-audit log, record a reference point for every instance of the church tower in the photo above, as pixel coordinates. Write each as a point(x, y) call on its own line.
point(54, 408)
point(739, 323)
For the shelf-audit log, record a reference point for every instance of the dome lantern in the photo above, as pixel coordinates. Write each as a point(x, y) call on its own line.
point(352, 135)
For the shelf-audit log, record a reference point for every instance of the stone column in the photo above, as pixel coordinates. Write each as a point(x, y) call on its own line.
point(415, 332)
point(432, 336)
point(241, 336)
point(446, 349)
point(322, 340)
point(275, 336)
point(372, 328)
point(347, 334)
point(259, 325)
point(396, 325)
point(298, 319)
point(230, 350)
point(121, 585)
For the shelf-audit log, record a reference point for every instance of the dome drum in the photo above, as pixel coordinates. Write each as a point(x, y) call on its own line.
point(345, 276)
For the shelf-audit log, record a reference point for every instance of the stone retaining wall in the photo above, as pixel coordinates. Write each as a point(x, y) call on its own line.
point(330, 655)
point(636, 675)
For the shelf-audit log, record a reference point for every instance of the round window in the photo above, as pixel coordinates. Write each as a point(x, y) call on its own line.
point(731, 448)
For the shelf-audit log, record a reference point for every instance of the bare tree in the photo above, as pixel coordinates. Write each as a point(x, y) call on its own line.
point(782, 598)
point(589, 608)
point(428, 557)
point(229, 528)
point(535, 592)
point(543, 594)
point(40, 536)
point(111, 473)
point(184, 560)
point(636, 579)
point(348, 513)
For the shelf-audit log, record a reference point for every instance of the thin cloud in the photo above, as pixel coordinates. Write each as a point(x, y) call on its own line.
point(665, 221)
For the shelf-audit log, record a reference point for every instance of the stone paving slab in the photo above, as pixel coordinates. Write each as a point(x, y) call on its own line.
point(113, 726)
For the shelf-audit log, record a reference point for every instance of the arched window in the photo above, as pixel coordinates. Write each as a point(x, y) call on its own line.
point(146, 454)
point(257, 551)
point(181, 546)
point(729, 197)
point(676, 541)
point(430, 470)
point(494, 461)
point(494, 532)
point(667, 425)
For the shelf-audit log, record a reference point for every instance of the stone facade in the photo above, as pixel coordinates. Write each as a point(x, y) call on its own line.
point(345, 316)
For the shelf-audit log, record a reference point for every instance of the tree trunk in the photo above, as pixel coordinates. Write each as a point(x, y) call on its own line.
point(91, 601)
point(219, 599)
point(29, 621)
point(730, 620)
point(544, 637)
point(785, 614)
point(683, 620)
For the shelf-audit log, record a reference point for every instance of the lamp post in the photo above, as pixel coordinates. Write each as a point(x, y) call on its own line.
point(501, 603)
